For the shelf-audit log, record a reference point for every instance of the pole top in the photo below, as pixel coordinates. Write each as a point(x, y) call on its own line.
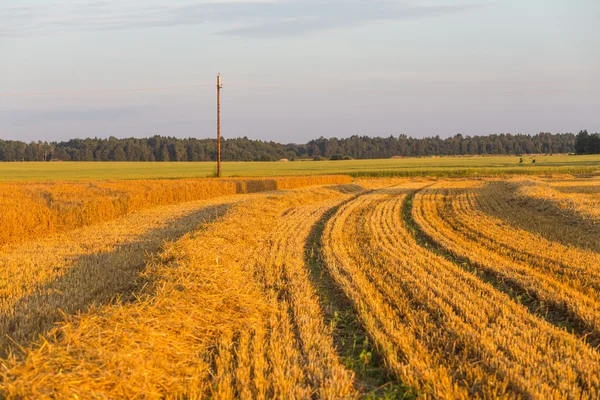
point(219, 85)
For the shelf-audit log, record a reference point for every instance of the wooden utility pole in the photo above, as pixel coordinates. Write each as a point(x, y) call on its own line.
point(219, 86)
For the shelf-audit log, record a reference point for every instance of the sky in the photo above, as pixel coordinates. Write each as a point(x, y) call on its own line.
point(294, 70)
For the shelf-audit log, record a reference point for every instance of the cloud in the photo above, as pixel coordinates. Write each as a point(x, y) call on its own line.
point(250, 18)
point(35, 117)
point(309, 16)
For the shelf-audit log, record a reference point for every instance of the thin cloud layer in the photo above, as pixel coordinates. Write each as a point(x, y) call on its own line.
point(35, 117)
point(255, 18)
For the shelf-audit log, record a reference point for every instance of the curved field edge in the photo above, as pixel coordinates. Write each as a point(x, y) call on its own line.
point(551, 312)
point(238, 319)
point(45, 280)
point(533, 217)
point(564, 292)
point(584, 206)
point(30, 210)
point(441, 329)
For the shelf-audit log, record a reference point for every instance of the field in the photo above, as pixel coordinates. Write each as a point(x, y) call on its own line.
point(305, 287)
point(445, 166)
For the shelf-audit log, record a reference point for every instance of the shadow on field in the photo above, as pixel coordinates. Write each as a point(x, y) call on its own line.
point(590, 190)
point(395, 191)
point(93, 281)
point(543, 218)
point(347, 188)
point(556, 313)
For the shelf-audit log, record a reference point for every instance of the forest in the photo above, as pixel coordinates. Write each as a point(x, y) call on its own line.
point(160, 148)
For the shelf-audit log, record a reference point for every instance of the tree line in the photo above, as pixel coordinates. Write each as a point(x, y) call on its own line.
point(160, 148)
point(586, 143)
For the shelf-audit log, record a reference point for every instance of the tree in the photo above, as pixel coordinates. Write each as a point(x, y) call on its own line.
point(120, 154)
point(581, 142)
point(179, 150)
point(594, 144)
point(61, 154)
point(164, 153)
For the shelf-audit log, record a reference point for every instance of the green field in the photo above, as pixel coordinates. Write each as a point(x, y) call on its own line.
point(442, 166)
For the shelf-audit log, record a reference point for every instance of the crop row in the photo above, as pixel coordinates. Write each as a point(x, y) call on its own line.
point(442, 329)
point(30, 210)
point(579, 198)
point(435, 272)
point(227, 312)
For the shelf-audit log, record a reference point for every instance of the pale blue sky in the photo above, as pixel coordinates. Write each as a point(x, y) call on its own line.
point(296, 70)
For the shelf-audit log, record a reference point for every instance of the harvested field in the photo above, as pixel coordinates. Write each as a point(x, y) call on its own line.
point(392, 288)
point(579, 198)
point(30, 210)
